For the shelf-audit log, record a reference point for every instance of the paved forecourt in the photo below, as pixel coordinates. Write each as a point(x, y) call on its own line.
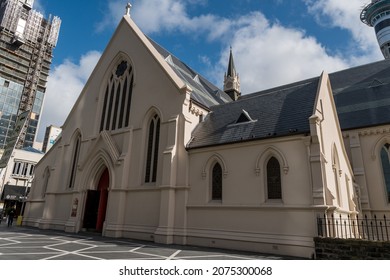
point(24, 243)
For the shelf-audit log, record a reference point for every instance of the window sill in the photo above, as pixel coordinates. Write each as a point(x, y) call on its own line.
point(274, 201)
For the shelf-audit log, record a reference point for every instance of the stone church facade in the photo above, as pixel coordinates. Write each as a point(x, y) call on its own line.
point(152, 150)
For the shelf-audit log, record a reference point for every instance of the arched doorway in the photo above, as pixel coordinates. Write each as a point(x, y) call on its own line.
point(96, 204)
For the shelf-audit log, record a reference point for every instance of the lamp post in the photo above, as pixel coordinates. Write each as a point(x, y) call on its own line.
point(23, 199)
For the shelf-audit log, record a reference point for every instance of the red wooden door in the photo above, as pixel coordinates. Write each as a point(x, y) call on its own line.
point(103, 190)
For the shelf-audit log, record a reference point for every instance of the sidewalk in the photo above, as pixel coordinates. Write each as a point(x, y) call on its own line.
point(4, 223)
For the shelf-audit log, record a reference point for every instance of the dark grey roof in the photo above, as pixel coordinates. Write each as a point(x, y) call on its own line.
point(273, 113)
point(362, 97)
point(204, 92)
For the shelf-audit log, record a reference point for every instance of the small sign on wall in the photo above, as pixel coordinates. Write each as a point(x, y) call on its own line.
point(74, 207)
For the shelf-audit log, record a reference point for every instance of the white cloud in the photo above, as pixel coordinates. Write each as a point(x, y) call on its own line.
point(151, 15)
point(268, 55)
point(65, 83)
point(39, 6)
point(157, 15)
point(115, 11)
point(345, 15)
point(154, 16)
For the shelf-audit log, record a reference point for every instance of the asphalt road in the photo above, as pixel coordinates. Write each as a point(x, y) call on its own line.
point(25, 243)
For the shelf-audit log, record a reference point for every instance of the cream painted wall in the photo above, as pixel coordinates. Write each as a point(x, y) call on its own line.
point(244, 214)
point(337, 175)
point(244, 167)
point(364, 146)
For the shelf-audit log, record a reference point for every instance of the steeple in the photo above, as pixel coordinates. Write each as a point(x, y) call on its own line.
point(231, 84)
point(231, 68)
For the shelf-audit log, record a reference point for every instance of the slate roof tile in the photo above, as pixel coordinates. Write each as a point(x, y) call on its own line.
point(282, 112)
point(362, 98)
point(204, 92)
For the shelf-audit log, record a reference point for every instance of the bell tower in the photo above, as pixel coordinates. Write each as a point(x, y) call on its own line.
point(231, 83)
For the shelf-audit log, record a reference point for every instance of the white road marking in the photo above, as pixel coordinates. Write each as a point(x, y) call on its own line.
point(174, 255)
point(213, 256)
point(135, 249)
point(76, 252)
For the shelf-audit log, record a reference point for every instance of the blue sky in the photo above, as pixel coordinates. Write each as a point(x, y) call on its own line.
point(274, 41)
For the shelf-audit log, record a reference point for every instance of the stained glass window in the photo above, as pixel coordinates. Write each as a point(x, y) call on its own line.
point(117, 98)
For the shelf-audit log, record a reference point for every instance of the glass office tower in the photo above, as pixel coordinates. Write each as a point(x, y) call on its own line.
point(27, 41)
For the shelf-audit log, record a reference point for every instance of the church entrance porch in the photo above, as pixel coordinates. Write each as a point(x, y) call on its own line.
point(96, 204)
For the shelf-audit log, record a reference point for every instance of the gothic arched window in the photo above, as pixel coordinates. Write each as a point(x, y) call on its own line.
point(336, 174)
point(274, 180)
point(75, 159)
point(152, 154)
point(216, 182)
point(385, 158)
point(117, 98)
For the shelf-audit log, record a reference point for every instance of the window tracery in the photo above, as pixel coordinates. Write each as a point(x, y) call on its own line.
point(117, 98)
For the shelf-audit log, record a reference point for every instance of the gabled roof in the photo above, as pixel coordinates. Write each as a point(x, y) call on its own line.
point(362, 98)
point(277, 112)
point(204, 92)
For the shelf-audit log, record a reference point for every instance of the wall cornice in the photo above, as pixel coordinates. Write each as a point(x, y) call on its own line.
point(368, 131)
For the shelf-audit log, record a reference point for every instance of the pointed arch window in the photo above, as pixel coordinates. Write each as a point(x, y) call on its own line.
point(336, 174)
point(216, 182)
point(117, 98)
point(152, 154)
point(385, 158)
point(274, 180)
point(75, 159)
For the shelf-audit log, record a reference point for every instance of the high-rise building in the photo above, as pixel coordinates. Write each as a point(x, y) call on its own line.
point(377, 14)
point(27, 41)
point(51, 135)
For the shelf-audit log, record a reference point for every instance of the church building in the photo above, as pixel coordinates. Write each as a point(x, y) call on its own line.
point(153, 151)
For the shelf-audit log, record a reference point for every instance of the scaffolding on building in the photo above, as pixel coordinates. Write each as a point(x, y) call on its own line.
point(28, 27)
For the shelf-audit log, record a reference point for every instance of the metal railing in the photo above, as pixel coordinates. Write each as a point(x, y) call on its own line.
point(348, 227)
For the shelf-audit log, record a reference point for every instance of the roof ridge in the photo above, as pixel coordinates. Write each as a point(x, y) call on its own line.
point(205, 92)
point(357, 67)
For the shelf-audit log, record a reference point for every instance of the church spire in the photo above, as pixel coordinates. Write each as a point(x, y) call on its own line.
point(231, 68)
point(231, 84)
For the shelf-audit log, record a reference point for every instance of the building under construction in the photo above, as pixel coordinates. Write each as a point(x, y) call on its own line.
point(27, 41)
